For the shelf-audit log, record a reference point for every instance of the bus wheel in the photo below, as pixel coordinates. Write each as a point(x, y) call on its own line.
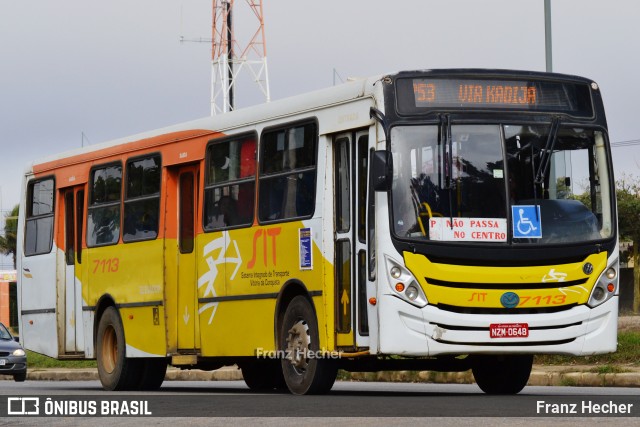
point(154, 370)
point(304, 369)
point(502, 374)
point(116, 371)
point(263, 375)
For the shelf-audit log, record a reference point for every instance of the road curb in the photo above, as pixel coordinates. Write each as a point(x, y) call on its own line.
point(224, 374)
point(537, 378)
point(541, 376)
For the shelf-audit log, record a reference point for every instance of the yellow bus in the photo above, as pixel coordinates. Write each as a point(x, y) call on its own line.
point(417, 220)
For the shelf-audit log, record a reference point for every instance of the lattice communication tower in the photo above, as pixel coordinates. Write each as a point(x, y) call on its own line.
point(229, 57)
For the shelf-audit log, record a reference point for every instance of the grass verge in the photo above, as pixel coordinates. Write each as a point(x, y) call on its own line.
point(628, 353)
point(36, 360)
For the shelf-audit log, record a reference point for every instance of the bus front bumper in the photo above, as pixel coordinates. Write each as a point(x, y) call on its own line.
point(429, 331)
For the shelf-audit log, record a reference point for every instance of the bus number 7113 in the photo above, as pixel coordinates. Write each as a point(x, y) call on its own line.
point(548, 300)
point(107, 265)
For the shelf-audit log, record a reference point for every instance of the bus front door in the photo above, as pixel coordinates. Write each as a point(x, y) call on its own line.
point(350, 163)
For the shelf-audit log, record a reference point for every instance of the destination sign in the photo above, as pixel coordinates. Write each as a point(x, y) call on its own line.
point(417, 94)
point(472, 92)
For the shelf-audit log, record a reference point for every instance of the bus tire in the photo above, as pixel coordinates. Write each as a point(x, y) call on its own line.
point(299, 335)
point(153, 370)
point(263, 375)
point(502, 374)
point(116, 371)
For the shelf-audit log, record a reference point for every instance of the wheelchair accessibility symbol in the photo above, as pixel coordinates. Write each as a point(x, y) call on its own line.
point(526, 221)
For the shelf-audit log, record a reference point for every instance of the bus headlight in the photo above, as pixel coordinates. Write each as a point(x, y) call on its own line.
point(404, 285)
point(606, 287)
point(412, 292)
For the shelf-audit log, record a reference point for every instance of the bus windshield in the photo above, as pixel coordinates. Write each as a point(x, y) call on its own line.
point(503, 184)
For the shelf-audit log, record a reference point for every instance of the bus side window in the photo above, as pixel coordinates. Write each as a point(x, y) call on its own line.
point(288, 172)
point(39, 222)
point(103, 217)
point(246, 192)
point(230, 183)
point(142, 199)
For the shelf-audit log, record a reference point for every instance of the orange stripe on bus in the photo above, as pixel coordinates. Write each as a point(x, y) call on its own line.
point(175, 141)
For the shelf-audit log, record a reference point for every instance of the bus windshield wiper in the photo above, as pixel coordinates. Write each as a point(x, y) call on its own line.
point(447, 148)
point(545, 158)
point(445, 125)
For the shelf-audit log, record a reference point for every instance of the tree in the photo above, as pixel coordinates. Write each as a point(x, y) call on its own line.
point(628, 197)
point(8, 241)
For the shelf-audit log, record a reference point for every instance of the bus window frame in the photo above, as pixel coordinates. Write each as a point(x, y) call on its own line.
point(125, 196)
point(242, 137)
point(262, 176)
point(30, 217)
point(91, 206)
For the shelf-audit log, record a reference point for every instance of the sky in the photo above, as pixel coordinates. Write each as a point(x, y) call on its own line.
point(81, 72)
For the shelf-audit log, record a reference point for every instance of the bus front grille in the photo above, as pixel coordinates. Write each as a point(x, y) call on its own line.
point(503, 310)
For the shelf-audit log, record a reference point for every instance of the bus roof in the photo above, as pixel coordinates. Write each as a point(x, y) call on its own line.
point(221, 123)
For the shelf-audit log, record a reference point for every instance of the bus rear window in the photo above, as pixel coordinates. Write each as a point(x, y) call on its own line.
point(39, 223)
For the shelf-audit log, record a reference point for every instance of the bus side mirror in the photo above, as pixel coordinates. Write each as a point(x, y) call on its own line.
point(381, 170)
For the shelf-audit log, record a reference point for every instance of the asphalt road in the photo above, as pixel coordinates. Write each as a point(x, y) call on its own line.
point(349, 403)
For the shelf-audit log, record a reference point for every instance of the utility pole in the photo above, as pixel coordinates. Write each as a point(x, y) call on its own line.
point(229, 58)
point(547, 36)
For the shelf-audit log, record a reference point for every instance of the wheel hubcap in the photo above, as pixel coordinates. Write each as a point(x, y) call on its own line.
point(109, 349)
point(298, 345)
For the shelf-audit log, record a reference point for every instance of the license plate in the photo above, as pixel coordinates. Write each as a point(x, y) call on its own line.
point(509, 330)
point(3, 362)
